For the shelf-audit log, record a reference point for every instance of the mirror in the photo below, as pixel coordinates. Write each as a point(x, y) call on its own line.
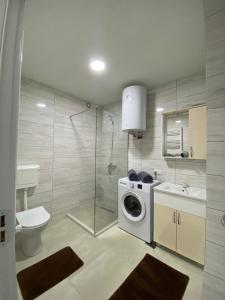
point(175, 132)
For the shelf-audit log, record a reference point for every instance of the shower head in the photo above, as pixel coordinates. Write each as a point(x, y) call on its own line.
point(88, 105)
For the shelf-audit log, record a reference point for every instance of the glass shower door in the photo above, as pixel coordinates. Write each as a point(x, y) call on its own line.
point(84, 128)
point(103, 158)
point(111, 164)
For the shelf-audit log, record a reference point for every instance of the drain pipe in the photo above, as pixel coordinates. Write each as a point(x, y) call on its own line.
point(25, 207)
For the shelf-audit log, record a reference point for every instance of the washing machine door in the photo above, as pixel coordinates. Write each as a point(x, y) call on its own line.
point(133, 207)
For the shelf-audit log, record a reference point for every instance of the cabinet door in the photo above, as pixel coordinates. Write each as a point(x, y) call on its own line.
point(165, 226)
point(197, 132)
point(191, 236)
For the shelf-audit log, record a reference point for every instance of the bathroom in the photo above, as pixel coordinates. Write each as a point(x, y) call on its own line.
point(72, 151)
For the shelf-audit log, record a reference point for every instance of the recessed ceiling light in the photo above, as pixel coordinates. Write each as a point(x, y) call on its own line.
point(178, 121)
point(41, 104)
point(97, 65)
point(160, 109)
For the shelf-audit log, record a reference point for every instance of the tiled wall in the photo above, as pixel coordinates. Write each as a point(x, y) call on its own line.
point(64, 150)
point(214, 277)
point(146, 154)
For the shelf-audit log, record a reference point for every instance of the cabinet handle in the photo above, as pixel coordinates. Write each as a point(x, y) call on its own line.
point(178, 219)
point(174, 217)
point(191, 151)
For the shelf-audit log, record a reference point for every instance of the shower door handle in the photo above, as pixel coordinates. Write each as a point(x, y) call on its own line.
point(191, 151)
point(223, 220)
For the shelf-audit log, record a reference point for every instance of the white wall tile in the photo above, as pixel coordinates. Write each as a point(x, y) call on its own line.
point(216, 91)
point(216, 158)
point(215, 67)
point(214, 260)
point(191, 91)
point(216, 59)
point(215, 27)
point(213, 288)
point(216, 192)
point(215, 229)
point(216, 124)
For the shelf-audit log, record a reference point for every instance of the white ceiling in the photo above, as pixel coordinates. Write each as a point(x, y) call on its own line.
point(142, 41)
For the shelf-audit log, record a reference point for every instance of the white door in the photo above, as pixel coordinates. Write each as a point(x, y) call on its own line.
point(11, 17)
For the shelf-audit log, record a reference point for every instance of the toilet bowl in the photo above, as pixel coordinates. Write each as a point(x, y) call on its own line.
point(32, 222)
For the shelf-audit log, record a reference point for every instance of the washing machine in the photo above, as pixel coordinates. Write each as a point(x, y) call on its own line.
point(135, 208)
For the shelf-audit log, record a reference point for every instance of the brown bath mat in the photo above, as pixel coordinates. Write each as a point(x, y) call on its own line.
point(40, 277)
point(152, 280)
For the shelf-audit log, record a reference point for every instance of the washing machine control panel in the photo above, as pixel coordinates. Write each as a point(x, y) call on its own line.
point(133, 186)
point(137, 185)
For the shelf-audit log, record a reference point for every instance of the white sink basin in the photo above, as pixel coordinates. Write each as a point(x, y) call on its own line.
point(191, 200)
point(189, 192)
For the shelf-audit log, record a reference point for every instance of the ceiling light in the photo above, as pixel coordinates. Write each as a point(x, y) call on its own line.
point(178, 121)
point(41, 104)
point(159, 109)
point(97, 65)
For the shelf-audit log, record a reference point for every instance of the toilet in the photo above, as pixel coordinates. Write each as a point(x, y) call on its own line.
point(30, 222)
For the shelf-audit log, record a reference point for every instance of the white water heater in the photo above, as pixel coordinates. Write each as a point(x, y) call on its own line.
point(134, 109)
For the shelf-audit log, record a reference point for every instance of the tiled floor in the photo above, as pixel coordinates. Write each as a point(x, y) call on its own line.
point(91, 216)
point(108, 259)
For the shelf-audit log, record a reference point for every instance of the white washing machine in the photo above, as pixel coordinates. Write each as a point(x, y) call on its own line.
point(135, 207)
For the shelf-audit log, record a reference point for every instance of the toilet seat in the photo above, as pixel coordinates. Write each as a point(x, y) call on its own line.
point(32, 218)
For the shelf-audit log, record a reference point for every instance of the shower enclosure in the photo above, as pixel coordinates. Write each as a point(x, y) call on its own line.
point(104, 159)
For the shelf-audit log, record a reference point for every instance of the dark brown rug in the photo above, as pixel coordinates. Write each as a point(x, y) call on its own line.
point(152, 280)
point(40, 277)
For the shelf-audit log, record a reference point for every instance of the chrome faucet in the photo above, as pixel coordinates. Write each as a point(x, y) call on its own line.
point(184, 186)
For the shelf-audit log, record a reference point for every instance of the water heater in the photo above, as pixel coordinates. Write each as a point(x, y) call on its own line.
point(134, 109)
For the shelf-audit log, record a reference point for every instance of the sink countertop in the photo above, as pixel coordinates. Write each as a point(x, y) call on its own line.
point(198, 194)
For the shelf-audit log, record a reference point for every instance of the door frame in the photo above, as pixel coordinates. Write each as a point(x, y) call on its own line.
point(11, 24)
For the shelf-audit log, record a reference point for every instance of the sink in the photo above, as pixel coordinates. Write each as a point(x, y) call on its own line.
point(189, 192)
point(191, 200)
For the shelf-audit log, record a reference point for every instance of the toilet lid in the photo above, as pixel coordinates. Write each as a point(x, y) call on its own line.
point(33, 217)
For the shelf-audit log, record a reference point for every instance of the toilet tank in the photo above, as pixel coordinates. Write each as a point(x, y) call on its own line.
point(134, 109)
point(27, 175)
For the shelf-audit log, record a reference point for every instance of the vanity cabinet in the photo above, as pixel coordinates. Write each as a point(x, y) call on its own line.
point(197, 132)
point(165, 226)
point(180, 231)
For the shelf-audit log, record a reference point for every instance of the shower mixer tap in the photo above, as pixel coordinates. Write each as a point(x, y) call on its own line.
point(111, 167)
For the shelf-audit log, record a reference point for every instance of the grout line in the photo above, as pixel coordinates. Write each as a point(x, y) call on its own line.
point(215, 13)
point(216, 209)
point(217, 277)
point(53, 152)
point(215, 142)
point(214, 75)
point(214, 44)
point(215, 175)
point(215, 243)
point(42, 124)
